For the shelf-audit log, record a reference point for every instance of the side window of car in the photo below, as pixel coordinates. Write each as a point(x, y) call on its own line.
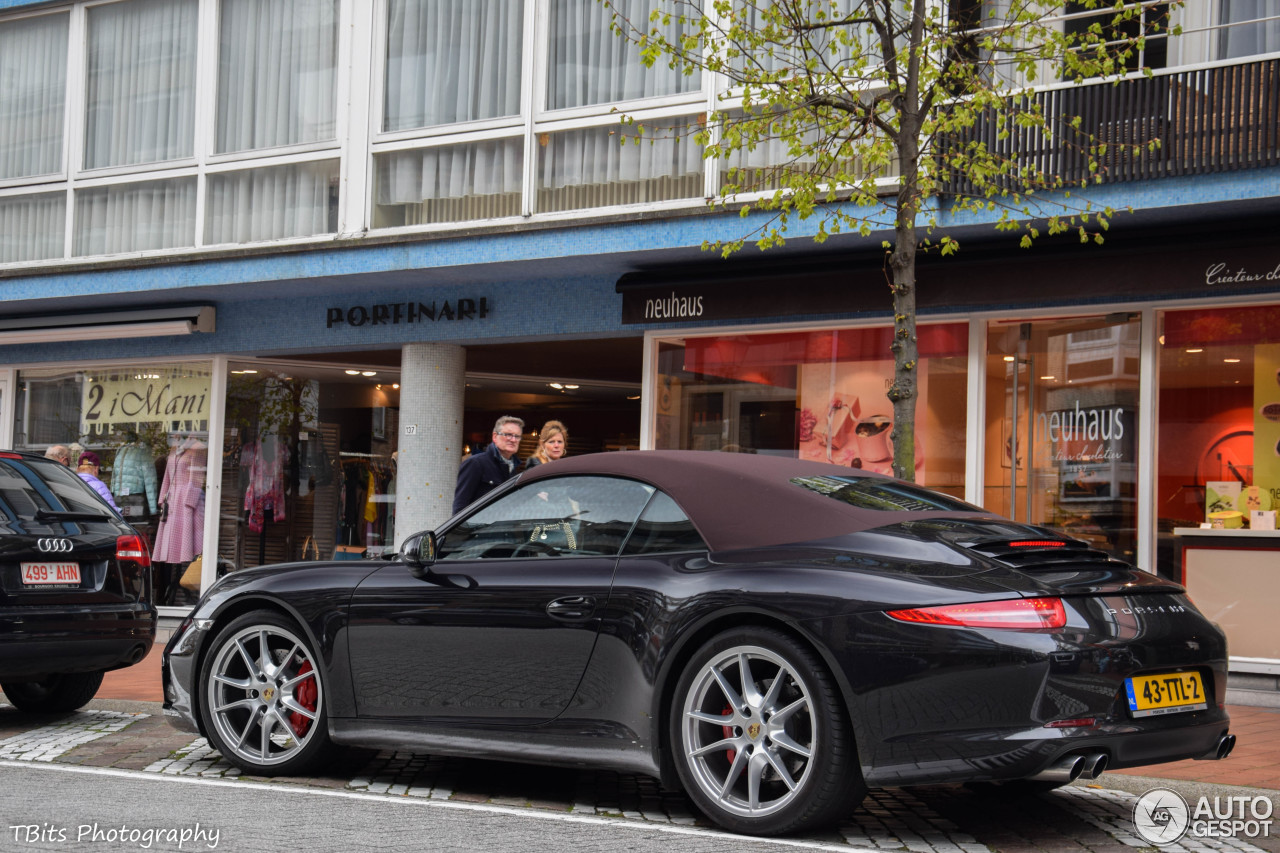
point(560, 516)
point(664, 528)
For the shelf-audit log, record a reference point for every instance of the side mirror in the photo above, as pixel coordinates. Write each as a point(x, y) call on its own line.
point(418, 552)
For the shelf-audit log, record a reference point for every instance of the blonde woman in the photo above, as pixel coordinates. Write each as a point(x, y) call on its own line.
point(553, 440)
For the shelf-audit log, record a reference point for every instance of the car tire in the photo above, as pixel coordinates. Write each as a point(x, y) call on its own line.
point(53, 693)
point(262, 698)
point(759, 735)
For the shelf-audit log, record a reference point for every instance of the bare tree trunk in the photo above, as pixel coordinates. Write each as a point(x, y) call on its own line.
point(906, 357)
point(904, 391)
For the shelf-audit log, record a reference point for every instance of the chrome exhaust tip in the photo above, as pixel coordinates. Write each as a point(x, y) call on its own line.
point(1065, 769)
point(1220, 751)
point(1093, 765)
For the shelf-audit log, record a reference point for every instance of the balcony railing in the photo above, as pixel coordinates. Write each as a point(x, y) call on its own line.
point(1212, 119)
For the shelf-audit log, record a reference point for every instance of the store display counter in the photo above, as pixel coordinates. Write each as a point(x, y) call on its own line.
point(1231, 576)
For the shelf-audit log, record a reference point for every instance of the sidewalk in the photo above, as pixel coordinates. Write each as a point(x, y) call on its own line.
point(1255, 763)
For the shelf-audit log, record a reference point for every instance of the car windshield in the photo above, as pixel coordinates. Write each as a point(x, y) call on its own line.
point(882, 494)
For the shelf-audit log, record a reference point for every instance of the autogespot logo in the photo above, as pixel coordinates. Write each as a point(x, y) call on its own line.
point(1161, 816)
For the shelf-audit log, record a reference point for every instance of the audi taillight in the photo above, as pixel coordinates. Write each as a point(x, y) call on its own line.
point(134, 549)
point(1018, 614)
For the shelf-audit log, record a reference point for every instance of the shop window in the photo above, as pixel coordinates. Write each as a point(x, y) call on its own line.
point(815, 395)
point(1061, 434)
point(1219, 424)
point(149, 425)
point(309, 465)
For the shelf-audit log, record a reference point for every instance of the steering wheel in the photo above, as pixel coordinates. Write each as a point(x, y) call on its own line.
point(541, 549)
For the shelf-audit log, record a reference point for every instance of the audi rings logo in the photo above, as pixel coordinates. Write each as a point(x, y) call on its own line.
point(54, 546)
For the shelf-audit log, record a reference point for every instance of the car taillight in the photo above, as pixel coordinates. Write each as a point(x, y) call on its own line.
point(1037, 543)
point(134, 549)
point(1019, 614)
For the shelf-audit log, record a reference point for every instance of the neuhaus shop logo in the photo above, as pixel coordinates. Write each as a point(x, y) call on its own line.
point(1163, 817)
point(398, 313)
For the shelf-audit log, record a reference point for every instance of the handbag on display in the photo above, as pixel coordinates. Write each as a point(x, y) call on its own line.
point(191, 575)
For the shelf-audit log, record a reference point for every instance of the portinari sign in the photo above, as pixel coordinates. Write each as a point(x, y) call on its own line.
point(397, 313)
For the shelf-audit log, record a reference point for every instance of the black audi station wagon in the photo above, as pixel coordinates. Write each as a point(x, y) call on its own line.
point(75, 587)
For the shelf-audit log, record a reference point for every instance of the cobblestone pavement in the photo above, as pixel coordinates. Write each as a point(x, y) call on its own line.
point(939, 819)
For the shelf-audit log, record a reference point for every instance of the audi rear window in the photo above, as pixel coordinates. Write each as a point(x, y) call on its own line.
point(881, 494)
point(29, 486)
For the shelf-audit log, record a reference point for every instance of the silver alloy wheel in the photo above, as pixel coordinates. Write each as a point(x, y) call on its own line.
point(264, 694)
point(749, 731)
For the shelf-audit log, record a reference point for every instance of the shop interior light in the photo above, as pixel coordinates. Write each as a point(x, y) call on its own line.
point(105, 325)
point(1231, 360)
point(1195, 349)
point(556, 385)
point(352, 372)
point(368, 373)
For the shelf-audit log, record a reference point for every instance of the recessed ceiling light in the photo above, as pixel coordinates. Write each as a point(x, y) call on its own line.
point(571, 387)
point(352, 372)
point(368, 373)
point(556, 385)
point(1195, 349)
point(1008, 358)
point(1232, 360)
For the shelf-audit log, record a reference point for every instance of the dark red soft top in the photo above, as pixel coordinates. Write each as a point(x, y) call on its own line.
point(743, 500)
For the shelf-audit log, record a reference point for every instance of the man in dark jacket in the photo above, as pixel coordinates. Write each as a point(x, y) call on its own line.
point(482, 472)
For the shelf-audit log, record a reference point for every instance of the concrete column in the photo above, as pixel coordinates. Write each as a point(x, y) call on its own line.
point(432, 384)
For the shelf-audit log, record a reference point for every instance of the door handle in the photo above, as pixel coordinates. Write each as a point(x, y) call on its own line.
point(572, 607)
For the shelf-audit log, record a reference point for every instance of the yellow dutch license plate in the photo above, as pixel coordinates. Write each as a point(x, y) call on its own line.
point(1171, 693)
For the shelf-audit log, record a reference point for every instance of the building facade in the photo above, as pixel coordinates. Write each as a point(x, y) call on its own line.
point(293, 257)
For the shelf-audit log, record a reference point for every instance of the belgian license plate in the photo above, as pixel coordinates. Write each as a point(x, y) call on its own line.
point(50, 574)
point(1171, 693)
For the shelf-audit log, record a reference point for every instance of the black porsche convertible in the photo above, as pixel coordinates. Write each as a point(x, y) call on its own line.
point(773, 635)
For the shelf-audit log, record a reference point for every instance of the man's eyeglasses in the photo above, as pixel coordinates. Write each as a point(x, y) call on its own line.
point(517, 436)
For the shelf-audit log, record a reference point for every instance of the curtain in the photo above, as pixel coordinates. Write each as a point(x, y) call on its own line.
point(589, 64)
point(32, 227)
point(1249, 39)
point(277, 73)
point(135, 217)
point(297, 200)
point(141, 79)
point(487, 176)
point(33, 92)
point(452, 61)
point(594, 167)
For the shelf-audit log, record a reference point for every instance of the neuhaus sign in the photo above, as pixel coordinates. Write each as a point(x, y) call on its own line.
point(406, 313)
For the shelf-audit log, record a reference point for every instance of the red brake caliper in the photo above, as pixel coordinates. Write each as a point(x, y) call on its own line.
point(306, 694)
point(728, 733)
